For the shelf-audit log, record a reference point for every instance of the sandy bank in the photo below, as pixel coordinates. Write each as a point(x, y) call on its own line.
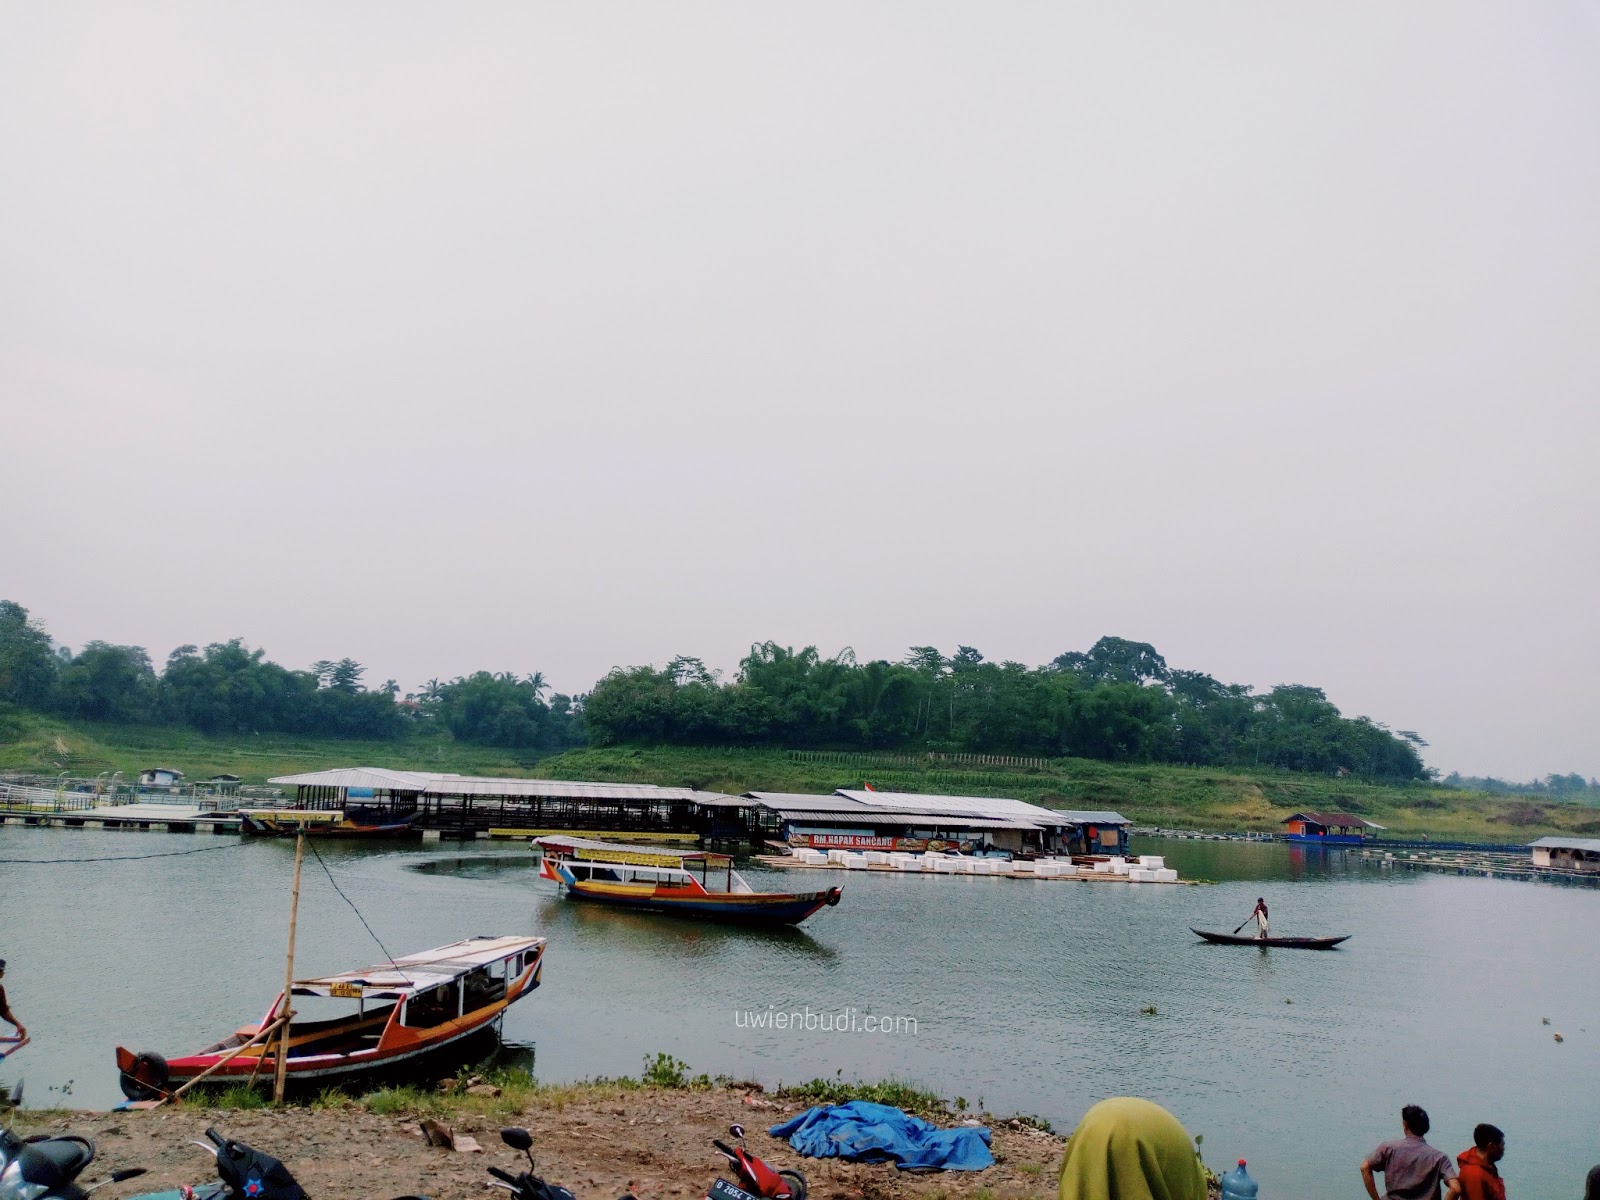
point(598, 1141)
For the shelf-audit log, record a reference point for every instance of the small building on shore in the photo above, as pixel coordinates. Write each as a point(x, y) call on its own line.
point(1567, 854)
point(160, 777)
point(1328, 828)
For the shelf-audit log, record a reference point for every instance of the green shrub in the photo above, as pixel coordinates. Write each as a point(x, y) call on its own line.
point(893, 1092)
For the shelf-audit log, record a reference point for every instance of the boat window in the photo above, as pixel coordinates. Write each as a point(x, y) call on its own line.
point(483, 988)
point(432, 1007)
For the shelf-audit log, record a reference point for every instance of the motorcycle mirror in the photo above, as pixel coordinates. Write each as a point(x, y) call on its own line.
point(517, 1139)
point(127, 1173)
point(16, 1095)
point(736, 1130)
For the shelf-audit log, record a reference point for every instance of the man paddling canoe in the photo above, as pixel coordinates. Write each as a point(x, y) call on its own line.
point(1260, 917)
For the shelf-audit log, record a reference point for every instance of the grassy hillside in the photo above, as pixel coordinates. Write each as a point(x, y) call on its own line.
point(29, 742)
point(1184, 797)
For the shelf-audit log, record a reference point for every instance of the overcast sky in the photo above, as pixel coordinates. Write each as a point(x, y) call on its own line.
point(559, 337)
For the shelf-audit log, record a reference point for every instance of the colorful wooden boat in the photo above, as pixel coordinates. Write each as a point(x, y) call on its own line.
point(1286, 943)
point(393, 1019)
point(325, 822)
point(687, 883)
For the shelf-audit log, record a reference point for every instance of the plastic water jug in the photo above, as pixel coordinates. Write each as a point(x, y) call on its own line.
point(1237, 1184)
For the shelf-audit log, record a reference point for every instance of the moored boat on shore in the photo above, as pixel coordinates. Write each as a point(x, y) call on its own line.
point(325, 822)
point(396, 1017)
point(658, 879)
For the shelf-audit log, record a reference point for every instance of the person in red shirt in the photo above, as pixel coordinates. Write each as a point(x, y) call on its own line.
point(1479, 1178)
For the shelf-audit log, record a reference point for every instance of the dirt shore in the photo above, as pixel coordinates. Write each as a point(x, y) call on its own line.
point(598, 1141)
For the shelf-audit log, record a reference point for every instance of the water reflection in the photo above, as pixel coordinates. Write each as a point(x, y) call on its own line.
point(1032, 995)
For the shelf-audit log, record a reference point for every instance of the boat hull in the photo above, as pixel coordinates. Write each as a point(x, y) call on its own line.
point(260, 823)
point(760, 908)
point(1283, 943)
point(365, 1048)
point(304, 1076)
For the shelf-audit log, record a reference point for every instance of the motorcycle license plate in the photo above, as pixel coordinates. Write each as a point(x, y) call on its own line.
point(723, 1190)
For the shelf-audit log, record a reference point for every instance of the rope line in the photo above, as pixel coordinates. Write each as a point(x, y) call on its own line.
point(312, 843)
point(117, 857)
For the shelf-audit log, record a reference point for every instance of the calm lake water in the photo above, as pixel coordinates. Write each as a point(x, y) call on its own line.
point(1026, 996)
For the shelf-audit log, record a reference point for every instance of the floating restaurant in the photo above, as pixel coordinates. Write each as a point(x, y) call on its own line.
point(904, 821)
point(469, 805)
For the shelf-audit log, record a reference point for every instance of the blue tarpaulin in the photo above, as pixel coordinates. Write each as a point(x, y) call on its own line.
point(866, 1132)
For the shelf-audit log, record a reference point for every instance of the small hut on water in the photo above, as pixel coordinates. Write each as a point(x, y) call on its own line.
point(1567, 854)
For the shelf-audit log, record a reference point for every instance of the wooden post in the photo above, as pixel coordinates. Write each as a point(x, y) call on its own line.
point(286, 1013)
point(266, 1031)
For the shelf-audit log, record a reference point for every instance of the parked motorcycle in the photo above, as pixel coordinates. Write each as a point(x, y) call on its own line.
point(47, 1168)
point(243, 1173)
point(526, 1185)
point(755, 1177)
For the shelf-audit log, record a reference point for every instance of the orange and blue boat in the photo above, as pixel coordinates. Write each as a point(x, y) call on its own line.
point(407, 1018)
point(684, 883)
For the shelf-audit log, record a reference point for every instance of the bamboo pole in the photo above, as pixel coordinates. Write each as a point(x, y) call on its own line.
point(286, 1013)
point(265, 1031)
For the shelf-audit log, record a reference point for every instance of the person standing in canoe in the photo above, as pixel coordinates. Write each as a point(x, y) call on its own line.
point(1259, 916)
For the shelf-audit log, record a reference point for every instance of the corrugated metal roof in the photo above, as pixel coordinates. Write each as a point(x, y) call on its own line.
point(469, 785)
point(1566, 843)
point(934, 811)
point(1347, 820)
point(359, 777)
point(993, 807)
point(908, 819)
point(434, 783)
point(1089, 816)
point(784, 801)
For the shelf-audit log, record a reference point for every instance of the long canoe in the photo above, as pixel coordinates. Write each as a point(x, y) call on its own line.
point(1287, 943)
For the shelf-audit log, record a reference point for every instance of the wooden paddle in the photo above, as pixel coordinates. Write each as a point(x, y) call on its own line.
point(1243, 923)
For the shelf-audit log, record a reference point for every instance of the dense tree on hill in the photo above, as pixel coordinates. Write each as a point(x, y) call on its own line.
point(505, 710)
point(28, 663)
point(103, 682)
point(1118, 701)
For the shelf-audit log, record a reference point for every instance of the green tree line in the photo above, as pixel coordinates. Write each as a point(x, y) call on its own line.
point(227, 687)
point(1117, 701)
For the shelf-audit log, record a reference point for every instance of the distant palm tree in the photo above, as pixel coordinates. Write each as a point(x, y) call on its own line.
point(537, 682)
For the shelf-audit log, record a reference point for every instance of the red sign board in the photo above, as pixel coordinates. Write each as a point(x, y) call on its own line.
point(867, 841)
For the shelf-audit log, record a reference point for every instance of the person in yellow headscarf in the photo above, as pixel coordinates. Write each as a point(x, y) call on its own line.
point(1130, 1149)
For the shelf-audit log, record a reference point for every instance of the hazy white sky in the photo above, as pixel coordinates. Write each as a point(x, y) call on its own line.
point(558, 337)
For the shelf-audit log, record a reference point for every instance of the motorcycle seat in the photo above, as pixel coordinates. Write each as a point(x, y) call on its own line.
point(55, 1162)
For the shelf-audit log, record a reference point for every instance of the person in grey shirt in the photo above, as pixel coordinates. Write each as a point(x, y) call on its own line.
point(1411, 1169)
